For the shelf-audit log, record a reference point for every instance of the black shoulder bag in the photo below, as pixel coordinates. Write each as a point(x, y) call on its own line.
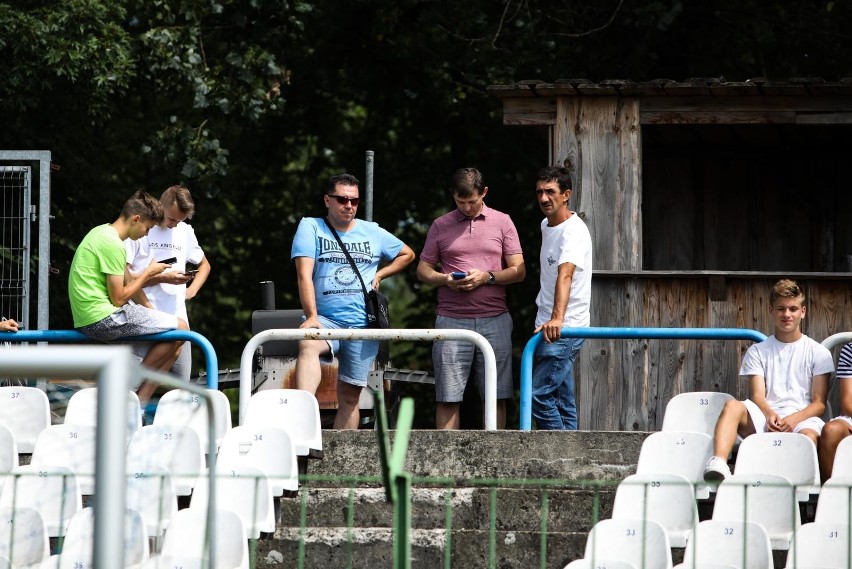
point(375, 302)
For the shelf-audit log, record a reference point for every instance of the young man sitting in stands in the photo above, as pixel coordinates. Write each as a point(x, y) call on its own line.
point(841, 426)
point(100, 287)
point(788, 377)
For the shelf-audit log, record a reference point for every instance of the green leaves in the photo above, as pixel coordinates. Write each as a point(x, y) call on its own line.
point(76, 47)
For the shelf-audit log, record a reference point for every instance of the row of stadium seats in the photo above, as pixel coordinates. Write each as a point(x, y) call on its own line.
point(24, 542)
point(754, 511)
point(254, 462)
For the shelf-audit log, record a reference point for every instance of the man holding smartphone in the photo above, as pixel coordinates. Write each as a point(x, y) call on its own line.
point(173, 242)
point(471, 253)
point(100, 287)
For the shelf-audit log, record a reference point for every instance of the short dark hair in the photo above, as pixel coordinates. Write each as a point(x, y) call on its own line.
point(466, 181)
point(144, 205)
point(344, 179)
point(180, 196)
point(560, 174)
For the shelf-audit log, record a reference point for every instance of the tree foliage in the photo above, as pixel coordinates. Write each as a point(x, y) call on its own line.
point(253, 103)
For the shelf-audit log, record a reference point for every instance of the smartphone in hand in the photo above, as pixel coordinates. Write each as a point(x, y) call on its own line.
point(169, 261)
point(191, 273)
point(458, 275)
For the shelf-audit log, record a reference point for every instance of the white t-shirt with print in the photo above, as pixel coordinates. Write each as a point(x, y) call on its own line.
point(160, 244)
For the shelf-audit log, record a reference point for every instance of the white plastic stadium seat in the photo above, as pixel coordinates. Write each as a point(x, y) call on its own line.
point(694, 411)
point(72, 446)
point(677, 452)
point(82, 409)
point(78, 545)
point(179, 407)
point(267, 448)
point(791, 455)
point(23, 536)
point(243, 490)
point(50, 490)
point(294, 410)
point(642, 543)
point(186, 540)
point(26, 412)
point(152, 494)
point(175, 448)
point(766, 499)
point(820, 545)
point(843, 459)
point(728, 543)
point(583, 563)
point(834, 501)
point(667, 499)
point(8, 451)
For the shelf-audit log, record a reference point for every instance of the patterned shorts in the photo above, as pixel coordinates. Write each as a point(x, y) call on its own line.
point(130, 320)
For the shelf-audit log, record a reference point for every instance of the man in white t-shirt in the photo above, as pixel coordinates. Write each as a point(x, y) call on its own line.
point(564, 300)
point(788, 377)
point(172, 239)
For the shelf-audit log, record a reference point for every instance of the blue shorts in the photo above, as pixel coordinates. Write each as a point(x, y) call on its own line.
point(354, 357)
point(453, 360)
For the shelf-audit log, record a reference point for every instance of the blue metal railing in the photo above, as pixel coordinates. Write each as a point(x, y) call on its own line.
point(73, 337)
point(620, 333)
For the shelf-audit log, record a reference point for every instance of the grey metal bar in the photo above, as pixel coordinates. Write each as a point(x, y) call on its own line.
point(113, 381)
point(837, 339)
point(171, 381)
point(43, 318)
point(374, 334)
point(368, 190)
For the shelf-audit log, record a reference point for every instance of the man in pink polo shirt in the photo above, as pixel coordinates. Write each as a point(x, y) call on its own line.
point(471, 253)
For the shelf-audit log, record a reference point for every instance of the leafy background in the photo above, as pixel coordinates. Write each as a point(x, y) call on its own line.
point(254, 103)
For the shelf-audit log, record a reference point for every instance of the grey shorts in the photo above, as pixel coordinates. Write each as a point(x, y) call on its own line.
point(453, 360)
point(130, 320)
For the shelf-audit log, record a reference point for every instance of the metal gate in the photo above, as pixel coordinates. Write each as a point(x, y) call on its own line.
point(15, 200)
point(25, 244)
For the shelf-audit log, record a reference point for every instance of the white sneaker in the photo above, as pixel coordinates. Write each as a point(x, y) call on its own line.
point(716, 470)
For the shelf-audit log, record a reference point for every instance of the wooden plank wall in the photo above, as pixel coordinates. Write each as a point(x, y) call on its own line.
point(599, 137)
point(624, 385)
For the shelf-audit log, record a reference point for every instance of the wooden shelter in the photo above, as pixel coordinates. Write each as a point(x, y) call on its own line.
point(699, 195)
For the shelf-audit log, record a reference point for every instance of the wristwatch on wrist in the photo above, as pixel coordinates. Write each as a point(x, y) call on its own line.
point(490, 278)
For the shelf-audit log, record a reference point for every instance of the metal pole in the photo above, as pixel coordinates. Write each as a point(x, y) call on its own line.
point(73, 336)
point(43, 319)
point(113, 381)
point(620, 333)
point(368, 189)
point(374, 334)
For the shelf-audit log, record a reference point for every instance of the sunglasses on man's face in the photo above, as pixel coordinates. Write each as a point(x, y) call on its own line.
point(343, 200)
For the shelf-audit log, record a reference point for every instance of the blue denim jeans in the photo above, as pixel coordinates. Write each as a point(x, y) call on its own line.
point(553, 404)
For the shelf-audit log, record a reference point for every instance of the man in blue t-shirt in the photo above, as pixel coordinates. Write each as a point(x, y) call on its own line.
point(331, 293)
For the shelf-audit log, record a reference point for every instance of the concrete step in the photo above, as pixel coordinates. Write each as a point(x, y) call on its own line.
point(505, 455)
point(371, 548)
point(516, 509)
